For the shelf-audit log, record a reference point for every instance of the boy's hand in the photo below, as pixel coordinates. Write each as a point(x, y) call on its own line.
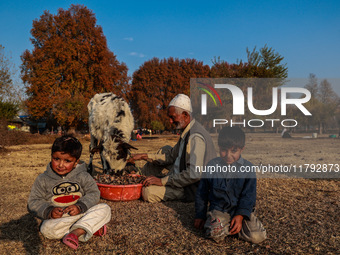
point(199, 223)
point(236, 224)
point(57, 212)
point(72, 210)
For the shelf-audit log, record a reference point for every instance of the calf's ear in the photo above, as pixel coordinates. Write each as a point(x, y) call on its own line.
point(124, 150)
point(128, 146)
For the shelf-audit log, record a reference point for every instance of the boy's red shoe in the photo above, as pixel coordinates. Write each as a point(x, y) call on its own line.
point(71, 240)
point(101, 232)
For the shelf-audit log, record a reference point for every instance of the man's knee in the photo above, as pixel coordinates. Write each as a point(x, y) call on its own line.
point(149, 195)
point(154, 193)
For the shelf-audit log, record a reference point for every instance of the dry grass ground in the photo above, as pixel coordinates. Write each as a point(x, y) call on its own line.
point(301, 215)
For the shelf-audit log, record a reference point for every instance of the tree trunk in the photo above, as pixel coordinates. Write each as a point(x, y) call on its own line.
point(320, 128)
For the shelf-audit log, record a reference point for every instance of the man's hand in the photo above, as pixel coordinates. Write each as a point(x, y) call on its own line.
point(152, 180)
point(57, 212)
point(236, 224)
point(199, 223)
point(139, 156)
point(72, 210)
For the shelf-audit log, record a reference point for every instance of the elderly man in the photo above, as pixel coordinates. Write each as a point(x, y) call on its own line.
point(194, 148)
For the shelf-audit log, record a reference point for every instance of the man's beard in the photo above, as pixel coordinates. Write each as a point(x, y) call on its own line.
point(180, 125)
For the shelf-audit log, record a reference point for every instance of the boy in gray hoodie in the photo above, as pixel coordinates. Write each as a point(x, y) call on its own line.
point(66, 197)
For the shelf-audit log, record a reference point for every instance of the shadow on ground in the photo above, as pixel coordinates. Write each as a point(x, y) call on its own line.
point(25, 230)
point(186, 214)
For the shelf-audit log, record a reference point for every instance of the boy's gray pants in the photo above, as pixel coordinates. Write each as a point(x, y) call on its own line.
point(217, 227)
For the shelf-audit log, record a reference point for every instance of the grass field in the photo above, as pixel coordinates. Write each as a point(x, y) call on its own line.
point(301, 215)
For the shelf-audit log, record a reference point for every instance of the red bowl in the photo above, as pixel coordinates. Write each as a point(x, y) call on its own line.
point(120, 192)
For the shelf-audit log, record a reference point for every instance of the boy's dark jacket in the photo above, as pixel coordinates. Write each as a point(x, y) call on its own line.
point(52, 190)
point(236, 196)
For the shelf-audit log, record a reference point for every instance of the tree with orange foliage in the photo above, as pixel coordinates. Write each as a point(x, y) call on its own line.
point(70, 62)
point(156, 82)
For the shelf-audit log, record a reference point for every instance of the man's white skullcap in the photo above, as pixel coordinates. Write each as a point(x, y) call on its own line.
point(182, 101)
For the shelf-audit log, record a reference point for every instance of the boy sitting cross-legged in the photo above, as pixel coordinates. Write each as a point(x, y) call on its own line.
point(231, 193)
point(66, 197)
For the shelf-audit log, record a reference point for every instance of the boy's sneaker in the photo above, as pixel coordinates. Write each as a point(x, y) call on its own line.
point(216, 231)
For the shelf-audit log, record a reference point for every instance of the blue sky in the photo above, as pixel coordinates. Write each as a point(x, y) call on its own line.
point(305, 33)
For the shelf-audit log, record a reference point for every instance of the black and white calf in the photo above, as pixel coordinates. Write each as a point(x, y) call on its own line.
point(111, 124)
